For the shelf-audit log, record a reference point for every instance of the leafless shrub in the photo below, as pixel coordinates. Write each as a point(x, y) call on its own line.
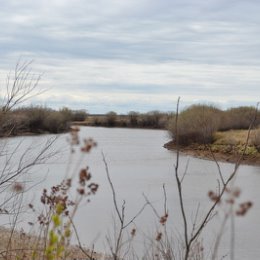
point(238, 118)
point(196, 124)
point(111, 118)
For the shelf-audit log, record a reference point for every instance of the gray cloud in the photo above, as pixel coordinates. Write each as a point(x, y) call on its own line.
point(201, 50)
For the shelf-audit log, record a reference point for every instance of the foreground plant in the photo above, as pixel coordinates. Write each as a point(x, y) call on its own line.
point(191, 237)
point(57, 222)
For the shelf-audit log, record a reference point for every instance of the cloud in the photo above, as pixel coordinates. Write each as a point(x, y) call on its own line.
point(201, 50)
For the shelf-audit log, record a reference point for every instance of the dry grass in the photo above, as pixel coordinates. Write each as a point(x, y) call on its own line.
point(227, 146)
point(24, 246)
point(234, 137)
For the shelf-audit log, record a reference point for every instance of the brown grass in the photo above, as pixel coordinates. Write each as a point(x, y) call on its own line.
point(234, 137)
point(23, 246)
point(227, 146)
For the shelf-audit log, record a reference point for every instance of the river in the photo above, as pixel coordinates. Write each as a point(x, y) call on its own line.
point(138, 166)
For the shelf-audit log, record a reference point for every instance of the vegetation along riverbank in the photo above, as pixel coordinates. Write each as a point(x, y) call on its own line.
point(207, 132)
point(203, 130)
point(222, 149)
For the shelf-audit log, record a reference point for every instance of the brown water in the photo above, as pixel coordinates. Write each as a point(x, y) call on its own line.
point(138, 165)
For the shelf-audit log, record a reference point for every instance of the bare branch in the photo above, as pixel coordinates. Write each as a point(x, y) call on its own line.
point(151, 205)
point(113, 190)
point(78, 240)
point(21, 86)
point(136, 215)
point(121, 216)
point(165, 200)
point(40, 158)
point(218, 166)
point(179, 184)
point(226, 183)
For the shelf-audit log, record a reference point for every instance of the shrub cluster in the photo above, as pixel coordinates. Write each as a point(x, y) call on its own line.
point(198, 123)
point(36, 119)
point(238, 118)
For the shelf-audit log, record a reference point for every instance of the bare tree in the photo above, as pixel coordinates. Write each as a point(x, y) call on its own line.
point(21, 85)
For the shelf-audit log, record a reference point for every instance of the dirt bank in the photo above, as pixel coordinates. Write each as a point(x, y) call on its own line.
point(223, 153)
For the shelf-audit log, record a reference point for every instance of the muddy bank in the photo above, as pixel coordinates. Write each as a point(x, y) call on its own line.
point(223, 153)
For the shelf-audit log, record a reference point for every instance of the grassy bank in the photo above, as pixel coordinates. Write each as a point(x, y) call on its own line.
point(227, 146)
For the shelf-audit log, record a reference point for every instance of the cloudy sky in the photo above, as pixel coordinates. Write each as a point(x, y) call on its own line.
point(124, 55)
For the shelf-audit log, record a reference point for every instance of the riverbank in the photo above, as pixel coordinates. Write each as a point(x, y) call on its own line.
point(38, 120)
point(20, 245)
point(203, 152)
point(228, 146)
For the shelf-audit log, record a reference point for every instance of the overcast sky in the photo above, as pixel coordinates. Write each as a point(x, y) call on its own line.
point(124, 55)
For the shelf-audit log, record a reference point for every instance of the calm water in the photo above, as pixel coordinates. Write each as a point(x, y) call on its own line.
point(138, 165)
